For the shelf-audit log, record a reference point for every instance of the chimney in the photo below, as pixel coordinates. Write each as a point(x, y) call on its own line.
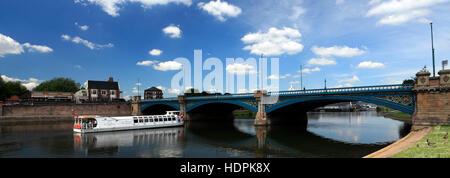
point(111, 79)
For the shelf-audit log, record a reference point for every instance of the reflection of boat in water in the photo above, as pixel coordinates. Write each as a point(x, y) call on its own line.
point(93, 123)
point(105, 142)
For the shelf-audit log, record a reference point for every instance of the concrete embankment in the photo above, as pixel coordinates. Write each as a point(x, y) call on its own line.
point(400, 145)
point(60, 112)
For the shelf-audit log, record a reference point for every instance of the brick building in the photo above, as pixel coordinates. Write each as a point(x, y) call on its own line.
point(153, 93)
point(101, 90)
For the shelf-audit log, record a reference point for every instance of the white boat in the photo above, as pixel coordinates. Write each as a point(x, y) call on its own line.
point(94, 123)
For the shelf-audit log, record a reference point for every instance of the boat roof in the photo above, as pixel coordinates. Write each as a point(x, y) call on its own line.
point(87, 116)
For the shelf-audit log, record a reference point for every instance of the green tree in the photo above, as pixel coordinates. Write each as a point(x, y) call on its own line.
point(58, 85)
point(15, 88)
point(3, 91)
point(409, 81)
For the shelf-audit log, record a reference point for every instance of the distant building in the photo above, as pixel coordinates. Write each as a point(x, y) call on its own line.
point(12, 100)
point(81, 96)
point(153, 93)
point(37, 96)
point(102, 90)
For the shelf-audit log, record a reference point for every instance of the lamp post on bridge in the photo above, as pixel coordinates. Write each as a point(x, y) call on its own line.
point(261, 116)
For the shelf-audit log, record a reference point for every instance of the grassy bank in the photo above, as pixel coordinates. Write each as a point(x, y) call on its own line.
point(441, 147)
point(396, 115)
point(244, 114)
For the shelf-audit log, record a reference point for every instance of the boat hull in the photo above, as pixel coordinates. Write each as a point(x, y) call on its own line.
point(127, 128)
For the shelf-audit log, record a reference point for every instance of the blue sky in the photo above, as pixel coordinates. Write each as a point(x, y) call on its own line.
point(348, 42)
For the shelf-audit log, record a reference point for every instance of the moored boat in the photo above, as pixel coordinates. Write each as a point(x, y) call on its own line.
point(94, 123)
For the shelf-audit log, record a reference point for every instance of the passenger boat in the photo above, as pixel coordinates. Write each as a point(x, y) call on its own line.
point(94, 123)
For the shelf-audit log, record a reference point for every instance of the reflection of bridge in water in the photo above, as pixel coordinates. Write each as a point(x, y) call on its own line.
point(235, 140)
point(260, 141)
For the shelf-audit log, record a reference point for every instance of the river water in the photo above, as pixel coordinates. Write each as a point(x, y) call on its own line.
point(341, 134)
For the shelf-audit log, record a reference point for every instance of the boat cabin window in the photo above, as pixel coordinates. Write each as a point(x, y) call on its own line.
point(151, 120)
point(135, 120)
point(141, 120)
point(146, 120)
point(160, 119)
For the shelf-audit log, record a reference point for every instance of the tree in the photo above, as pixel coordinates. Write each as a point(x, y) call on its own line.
point(15, 88)
point(59, 85)
point(409, 81)
point(3, 91)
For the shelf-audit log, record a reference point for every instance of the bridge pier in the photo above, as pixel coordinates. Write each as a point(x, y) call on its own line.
point(261, 115)
point(136, 107)
point(432, 99)
point(182, 103)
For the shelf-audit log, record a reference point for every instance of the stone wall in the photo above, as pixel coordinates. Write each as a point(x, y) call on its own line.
point(64, 110)
point(432, 99)
point(432, 109)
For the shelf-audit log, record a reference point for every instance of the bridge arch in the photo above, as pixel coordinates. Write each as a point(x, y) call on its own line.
point(232, 102)
point(145, 107)
point(367, 99)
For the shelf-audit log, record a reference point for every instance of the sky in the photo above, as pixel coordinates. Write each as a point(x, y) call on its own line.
point(347, 42)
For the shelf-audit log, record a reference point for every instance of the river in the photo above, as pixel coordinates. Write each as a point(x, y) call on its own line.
point(340, 134)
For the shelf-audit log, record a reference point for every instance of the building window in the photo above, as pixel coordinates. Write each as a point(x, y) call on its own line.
point(103, 92)
point(94, 92)
point(113, 92)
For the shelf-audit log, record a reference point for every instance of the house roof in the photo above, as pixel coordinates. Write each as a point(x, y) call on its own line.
point(105, 85)
point(153, 89)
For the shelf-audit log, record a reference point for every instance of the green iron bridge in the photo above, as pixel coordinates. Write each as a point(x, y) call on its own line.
point(398, 97)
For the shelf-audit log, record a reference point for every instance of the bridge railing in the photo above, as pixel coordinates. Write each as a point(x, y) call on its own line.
point(362, 89)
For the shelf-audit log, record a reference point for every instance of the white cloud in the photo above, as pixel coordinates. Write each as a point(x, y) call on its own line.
point(370, 65)
point(173, 91)
point(338, 51)
point(135, 90)
point(29, 84)
point(173, 31)
point(221, 10)
point(37, 48)
point(338, 2)
point(169, 65)
point(395, 12)
point(350, 80)
point(86, 43)
point(274, 42)
point(146, 63)
point(297, 11)
point(113, 6)
point(276, 77)
point(321, 61)
point(155, 52)
point(308, 70)
point(77, 67)
point(82, 27)
point(11, 46)
point(240, 69)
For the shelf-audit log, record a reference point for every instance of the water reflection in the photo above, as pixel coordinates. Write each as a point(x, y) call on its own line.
point(327, 135)
point(160, 142)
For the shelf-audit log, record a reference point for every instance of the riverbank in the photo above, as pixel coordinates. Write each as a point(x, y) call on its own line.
point(398, 115)
point(244, 114)
point(440, 148)
point(18, 120)
point(409, 140)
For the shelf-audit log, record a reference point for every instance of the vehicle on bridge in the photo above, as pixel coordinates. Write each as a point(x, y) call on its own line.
point(94, 123)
